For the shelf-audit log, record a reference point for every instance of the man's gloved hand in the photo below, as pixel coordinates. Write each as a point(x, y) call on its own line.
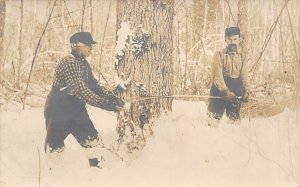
point(245, 97)
point(116, 104)
point(229, 96)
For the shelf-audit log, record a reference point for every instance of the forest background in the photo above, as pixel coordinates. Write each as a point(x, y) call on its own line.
point(32, 42)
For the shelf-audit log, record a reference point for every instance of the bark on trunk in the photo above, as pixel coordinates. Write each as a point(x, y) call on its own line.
point(145, 59)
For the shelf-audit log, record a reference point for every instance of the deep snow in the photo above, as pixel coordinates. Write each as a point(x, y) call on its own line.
point(182, 152)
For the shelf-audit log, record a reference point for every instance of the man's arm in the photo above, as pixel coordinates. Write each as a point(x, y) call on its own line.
point(245, 81)
point(80, 90)
point(245, 77)
point(217, 74)
point(104, 92)
point(95, 87)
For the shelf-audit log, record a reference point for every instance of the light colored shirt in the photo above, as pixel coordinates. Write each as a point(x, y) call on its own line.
point(233, 66)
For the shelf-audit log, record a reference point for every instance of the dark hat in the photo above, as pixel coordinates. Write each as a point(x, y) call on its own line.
point(232, 31)
point(83, 37)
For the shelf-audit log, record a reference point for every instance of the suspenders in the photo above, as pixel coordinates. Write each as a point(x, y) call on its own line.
point(224, 63)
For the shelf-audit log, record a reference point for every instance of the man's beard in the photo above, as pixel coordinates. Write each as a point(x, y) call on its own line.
point(231, 49)
point(77, 54)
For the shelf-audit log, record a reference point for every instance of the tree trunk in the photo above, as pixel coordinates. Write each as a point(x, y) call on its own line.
point(82, 15)
point(198, 19)
point(243, 23)
point(144, 55)
point(91, 18)
point(63, 25)
point(102, 41)
point(21, 60)
point(296, 51)
point(211, 15)
point(186, 50)
point(2, 23)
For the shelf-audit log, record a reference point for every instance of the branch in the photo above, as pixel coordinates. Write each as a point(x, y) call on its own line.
point(102, 42)
point(231, 14)
point(35, 54)
point(68, 12)
point(82, 15)
point(293, 35)
point(266, 42)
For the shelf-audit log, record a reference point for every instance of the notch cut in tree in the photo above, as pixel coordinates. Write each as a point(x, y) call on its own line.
point(144, 56)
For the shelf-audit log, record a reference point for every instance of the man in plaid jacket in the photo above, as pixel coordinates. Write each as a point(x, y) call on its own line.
point(73, 87)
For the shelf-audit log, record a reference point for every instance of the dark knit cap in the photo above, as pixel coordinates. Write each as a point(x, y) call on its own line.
point(232, 31)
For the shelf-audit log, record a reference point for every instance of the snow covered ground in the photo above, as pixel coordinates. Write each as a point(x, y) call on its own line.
point(182, 152)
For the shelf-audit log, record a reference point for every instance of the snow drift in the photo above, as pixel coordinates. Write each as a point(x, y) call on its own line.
point(182, 152)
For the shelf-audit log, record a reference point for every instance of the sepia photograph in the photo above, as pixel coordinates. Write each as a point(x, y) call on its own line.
point(150, 93)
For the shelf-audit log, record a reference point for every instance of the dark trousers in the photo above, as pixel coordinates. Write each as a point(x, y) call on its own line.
point(217, 106)
point(64, 115)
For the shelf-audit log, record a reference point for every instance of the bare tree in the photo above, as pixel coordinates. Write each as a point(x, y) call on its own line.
point(211, 15)
point(205, 16)
point(2, 23)
point(296, 54)
point(21, 57)
point(102, 41)
point(91, 17)
point(243, 22)
point(36, 52)
point(146, 60)
point(83, 14)
point(198, 19)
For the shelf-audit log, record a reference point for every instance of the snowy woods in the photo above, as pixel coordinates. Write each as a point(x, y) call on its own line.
point(35, 34)
point(159, 49)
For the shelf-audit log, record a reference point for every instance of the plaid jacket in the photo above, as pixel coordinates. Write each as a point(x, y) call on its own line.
point(74, 76)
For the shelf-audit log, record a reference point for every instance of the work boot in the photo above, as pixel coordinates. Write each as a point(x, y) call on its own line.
point(96, 163)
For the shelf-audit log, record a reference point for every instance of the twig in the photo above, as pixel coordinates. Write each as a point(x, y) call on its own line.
point(257, 152)
point(39, 155)
point(103, 37)
point(14, 72)
point(6, 85)
point(293, 38)
point(4, 59)
point(69, 12)
point(82, 15)
point(266, 42)
point(113, 152)
point(35, 54)
point(230, 12)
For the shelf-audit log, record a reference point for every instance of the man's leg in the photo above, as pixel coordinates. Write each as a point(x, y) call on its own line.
point(233, 108)
point(56, 123)
point(233, 112)
point(215, 111)
point(56, 130)
point(215, 107)
point(54, 143)
point(55, 137)
point(88, 137)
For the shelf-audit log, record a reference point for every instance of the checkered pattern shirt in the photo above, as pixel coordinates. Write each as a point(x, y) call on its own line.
point(74, 76)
